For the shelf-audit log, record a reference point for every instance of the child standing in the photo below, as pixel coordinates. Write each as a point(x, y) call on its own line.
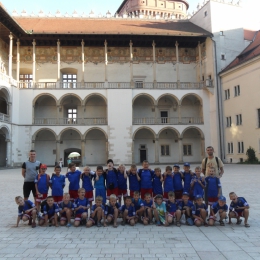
point(197, 183)
point(138, 205)
point(99, 183)
point(171, 207)
point(177, 182)
point(66, 209)
point(26, 211)
point(134, 180)
point(128, 212)
point(157, 182)
point(81, 206)
point(122, 182)
point(168, 182)
point(199, 212)
point(159, 210)
point(219, 207)
point(42, 182)
point(97, 213)
point(57, 184)
point(111, 179)
point(112, 210)
point(187, 175)
point(148, 211)
point(238, 208)
point(87, 184)
point(74, 177)
point(50, 213)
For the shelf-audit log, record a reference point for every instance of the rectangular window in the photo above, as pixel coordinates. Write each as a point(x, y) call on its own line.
point(221, 33)
point(72, 115)
point(223, 56)
point(230, 147)
point(26, 80)
point(187, 149)
point(237, 90)
point(227, 94)
point(164, 117)
point(139, 84)
point(239, 119)
point(205, 13)
point(229, 121)
point(258, 117)
point(165, 150)
point(69, 80)
point(240, 147)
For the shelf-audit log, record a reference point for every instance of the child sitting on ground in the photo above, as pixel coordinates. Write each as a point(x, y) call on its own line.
point(200, 212)
point(238, 208)
point(81, 206)
point(157, 182)
point(128, 212)
point(57, 184)
point(66, 209)
point(87, 184)
point(112, 210)
point(220, 207)
point(50, 213)
point(184, 207)
point(148, 210)
point(138, 205)
point(74, 177)
point(168, 182)
point(26, 211)
point(97, 213)
point(159, 210)
point(134, 180)
point(171, 207)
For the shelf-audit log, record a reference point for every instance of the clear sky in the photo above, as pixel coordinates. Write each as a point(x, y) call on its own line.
point(251, 7)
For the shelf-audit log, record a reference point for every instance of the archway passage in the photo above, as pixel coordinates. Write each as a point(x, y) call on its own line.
point(96, 147)
point(3, 148)
point(76, 160)
point(45, 146)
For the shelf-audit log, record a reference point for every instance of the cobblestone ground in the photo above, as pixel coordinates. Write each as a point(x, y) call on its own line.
point(139, 242)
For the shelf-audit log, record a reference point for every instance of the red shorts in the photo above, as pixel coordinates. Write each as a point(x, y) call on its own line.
point(178, 194)
point(212, 200)
point(171, 214)
point(28, 215)
point(43, 197)
point(78, 217)
point(73, 194)
point(165, 196)
point(239, 213)
point(144, 191)
point(113, 191)
point(89, 195)
point(57, 199)
point(122, 192)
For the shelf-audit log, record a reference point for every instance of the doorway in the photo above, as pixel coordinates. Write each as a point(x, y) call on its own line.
point(76, 160)
point(143, 153)
point(164, 117)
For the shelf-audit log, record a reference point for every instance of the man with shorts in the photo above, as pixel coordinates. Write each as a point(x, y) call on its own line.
point(29, 172)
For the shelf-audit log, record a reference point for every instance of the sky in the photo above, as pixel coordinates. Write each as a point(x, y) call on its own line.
point(251, 7)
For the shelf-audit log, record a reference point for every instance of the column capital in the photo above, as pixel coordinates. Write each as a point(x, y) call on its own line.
point(180, 139)
point(130, 43)
point(18, 42)
point(176, 44)
point(105, 43)
point(83, 140)
point(34, 42)
point(11, 36)
point(57, 141)
point(198, 42)
point(58, 42)
point(82, 43)
point(153, 44)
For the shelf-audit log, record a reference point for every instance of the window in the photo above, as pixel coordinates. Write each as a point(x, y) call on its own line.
point(230, 147)
point(221, 33)
point(240, 147)
point(205, 13)
point(237, 90)
point(258, 117)
point(223, 56)
point(239, 119)
point(164, 117)
point(26, 79)
point(227, 94)
point(69, 80)
point(139, 84)
point(165, 150)
point(229, 121)
point(72, 115)
point(186, 149)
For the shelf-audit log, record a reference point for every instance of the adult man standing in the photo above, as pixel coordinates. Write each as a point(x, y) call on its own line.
point(29, 172)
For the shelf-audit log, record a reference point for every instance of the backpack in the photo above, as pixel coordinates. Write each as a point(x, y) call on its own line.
point(216, 158)
point(20, 208)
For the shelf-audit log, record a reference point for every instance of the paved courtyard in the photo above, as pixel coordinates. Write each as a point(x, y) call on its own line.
point(139, 242)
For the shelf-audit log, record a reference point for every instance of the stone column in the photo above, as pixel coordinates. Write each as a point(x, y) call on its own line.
point(131, 65)
point(8, 152)
point(179, 113)
point(133, 151)
point(180, 151)
point(106, 61)
point(177, 64)
point(203, 148)
point(156, 150)
point(9, 111)
point(10, 56)
point(83, 61)
point(58, 63)
point(57, 151)
point(58, 114)
point(34, 63)
point(33, 145)
point(154, 66)
point(200, 61)
point(83, 159)
point(18, 62)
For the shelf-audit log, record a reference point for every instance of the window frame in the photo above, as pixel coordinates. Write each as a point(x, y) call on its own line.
point(164, 146)
point(187, 146)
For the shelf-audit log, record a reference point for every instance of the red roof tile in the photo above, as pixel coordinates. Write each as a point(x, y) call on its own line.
point(249, 35)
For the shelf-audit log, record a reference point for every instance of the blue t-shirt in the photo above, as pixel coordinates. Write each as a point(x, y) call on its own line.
point(42, 181)
point(148, 204)
point(197, 188)
point(112, 178)
point(27, 205)
point(79, 202)
point(196, 209)
point(74, 178)
point(146, 178)
point(122, 181)
point(157, 185)
point(240, 203)
point(134, 184)
point(137, 204)
point(187, 176)
point(177, 181)
point(100, 183)
point(87, 182)
point(182, 204)
point(50, 211)
point(213, 183)
point(216, 207)
point(93, 208)
point(63, 205)
point(168, 183)
point(131, 210)
point(109, 210)
point(171, 207)
point(57, 184)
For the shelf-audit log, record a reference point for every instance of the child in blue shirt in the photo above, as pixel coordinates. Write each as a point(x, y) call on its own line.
point(122, 182)
point(99, 183)
point(134, 180)
point(97, 213)
point(128, 212)
point(168, 182)
point(50, 213)
point(74, 178)
point(184, 207)
point(177, 182)
point(157, 182)
point(221, 208)
point(148, 209)
point(111, 179)
point(57, 184)
point(138, 204)
point(187, 175)
point(87, 184)
point(159, 210)
point(112, 210)
point(197, 183)
point(199, 212)
point(66, 209)
point(171, 207)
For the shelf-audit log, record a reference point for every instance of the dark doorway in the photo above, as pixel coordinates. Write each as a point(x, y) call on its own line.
point(143, 155)
point(76, 160)
point(164, 117)
point(2, 149)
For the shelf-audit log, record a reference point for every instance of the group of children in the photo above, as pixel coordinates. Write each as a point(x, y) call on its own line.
point(155, 197)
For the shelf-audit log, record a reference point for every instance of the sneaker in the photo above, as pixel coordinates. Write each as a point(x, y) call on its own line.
point(33, 224)
point(99, 224)
point(68, 225)
point(189, 222)
point(123, 223)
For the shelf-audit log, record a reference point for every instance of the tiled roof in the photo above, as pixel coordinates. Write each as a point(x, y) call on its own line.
point(110, 26)
point(250, 52)
point(249, 35)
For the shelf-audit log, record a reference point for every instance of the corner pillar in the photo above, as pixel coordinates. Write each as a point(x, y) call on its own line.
point(156, 150)
point(18, 62)
point(10, 56)
point(180, 151)
point(57, 151)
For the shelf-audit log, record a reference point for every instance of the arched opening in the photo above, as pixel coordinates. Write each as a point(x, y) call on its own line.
point(168, 143)
point(4, 98)
point(143, 110)
point(68, 159)
point(168, 110)
point(45, 145)
point(45, 110)
point(95, 110)
point(3, 106)
point(70, 139)
point(96, 147)
point(4, 136)
point(192, 145)
point(144, 145)
point(191, 110)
